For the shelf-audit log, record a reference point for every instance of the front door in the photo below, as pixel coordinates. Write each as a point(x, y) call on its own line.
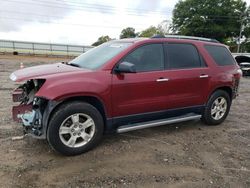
point(145, 90)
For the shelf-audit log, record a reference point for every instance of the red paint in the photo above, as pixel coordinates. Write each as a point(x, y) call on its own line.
point(17, 95)
point(133, 93)
point(43, 70)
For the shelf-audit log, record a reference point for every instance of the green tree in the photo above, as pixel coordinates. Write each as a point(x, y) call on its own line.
point(151, 31)
point(128, 32)
point(219, 19)
point(101, 40)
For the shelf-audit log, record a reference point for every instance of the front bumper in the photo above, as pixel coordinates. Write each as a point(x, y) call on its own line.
point(29, 114)
point(19, 111)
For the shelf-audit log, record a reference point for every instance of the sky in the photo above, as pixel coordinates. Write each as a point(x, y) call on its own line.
point(78, 21)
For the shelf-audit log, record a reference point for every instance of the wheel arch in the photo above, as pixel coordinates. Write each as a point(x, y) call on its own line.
point(227, 89)
point(206, 116)
point(96, 102)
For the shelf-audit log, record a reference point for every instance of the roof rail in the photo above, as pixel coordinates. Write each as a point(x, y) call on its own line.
point(186, 37)
point(157, 36)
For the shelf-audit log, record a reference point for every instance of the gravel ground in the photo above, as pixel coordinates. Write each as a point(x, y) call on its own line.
point(188, 154)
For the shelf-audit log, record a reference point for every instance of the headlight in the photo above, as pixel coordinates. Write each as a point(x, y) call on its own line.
point(13, 77)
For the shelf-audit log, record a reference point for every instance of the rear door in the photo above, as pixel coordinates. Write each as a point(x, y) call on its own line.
point(188, 76)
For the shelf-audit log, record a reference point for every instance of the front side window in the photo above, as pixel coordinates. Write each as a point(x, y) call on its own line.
point(147, 58)
point(182, 56)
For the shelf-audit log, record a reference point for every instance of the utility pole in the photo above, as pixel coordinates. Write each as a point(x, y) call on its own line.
point(243, 18)
point(240, 35)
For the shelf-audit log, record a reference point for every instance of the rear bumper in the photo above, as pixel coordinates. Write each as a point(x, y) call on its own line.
point(236, 88)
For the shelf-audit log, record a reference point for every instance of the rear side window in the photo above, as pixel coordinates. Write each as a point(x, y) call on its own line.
point(220, 54)
point(183, 56)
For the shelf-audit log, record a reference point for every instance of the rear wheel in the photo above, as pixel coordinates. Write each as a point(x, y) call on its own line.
point(75, 128)
point(217, 108)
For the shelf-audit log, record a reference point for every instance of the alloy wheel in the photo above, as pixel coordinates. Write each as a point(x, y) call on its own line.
point(77, 130)
point(219, 108)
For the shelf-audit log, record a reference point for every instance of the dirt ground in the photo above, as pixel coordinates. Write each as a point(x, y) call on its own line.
point(180, 155)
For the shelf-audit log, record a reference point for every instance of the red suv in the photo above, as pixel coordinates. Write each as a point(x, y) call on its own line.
point(125, 85)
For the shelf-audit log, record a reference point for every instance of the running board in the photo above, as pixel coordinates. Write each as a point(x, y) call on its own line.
point(156, 123)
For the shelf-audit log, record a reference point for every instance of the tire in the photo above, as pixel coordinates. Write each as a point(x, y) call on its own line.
point(209, 116)
point(75, 128)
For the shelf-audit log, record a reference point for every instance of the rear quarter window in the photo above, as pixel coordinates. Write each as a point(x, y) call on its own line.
point(220, 55)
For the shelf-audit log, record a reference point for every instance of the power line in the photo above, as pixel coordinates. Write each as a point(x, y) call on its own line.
point(105, 10)
point(81, 25)
point(211, 17)
point(58, 17)
point(110, 9)
point(137, 9)
point(76, 24)
point(45, 16)
point(92, 5)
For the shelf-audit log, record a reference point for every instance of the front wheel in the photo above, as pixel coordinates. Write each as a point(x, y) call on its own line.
point(75, 128)
point(217, 108)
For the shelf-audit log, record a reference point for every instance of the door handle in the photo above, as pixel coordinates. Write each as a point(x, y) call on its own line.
point(204, 76)
point(162, 80)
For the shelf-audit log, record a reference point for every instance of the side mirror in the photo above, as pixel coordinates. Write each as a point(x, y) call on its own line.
point(125, 67)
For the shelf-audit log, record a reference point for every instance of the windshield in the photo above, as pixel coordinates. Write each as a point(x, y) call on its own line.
point(98, 56)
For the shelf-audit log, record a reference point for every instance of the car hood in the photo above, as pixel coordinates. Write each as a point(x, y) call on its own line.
point(41, 71)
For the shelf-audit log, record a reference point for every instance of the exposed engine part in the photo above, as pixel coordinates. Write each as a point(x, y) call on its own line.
point(29, 90)
point(31, 118)
point(27, 118)
point(32, 121)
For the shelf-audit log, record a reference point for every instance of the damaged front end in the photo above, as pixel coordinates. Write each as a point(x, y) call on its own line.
point(30, 109)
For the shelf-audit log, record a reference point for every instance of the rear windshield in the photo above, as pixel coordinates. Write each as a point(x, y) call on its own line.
point(220, 54)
